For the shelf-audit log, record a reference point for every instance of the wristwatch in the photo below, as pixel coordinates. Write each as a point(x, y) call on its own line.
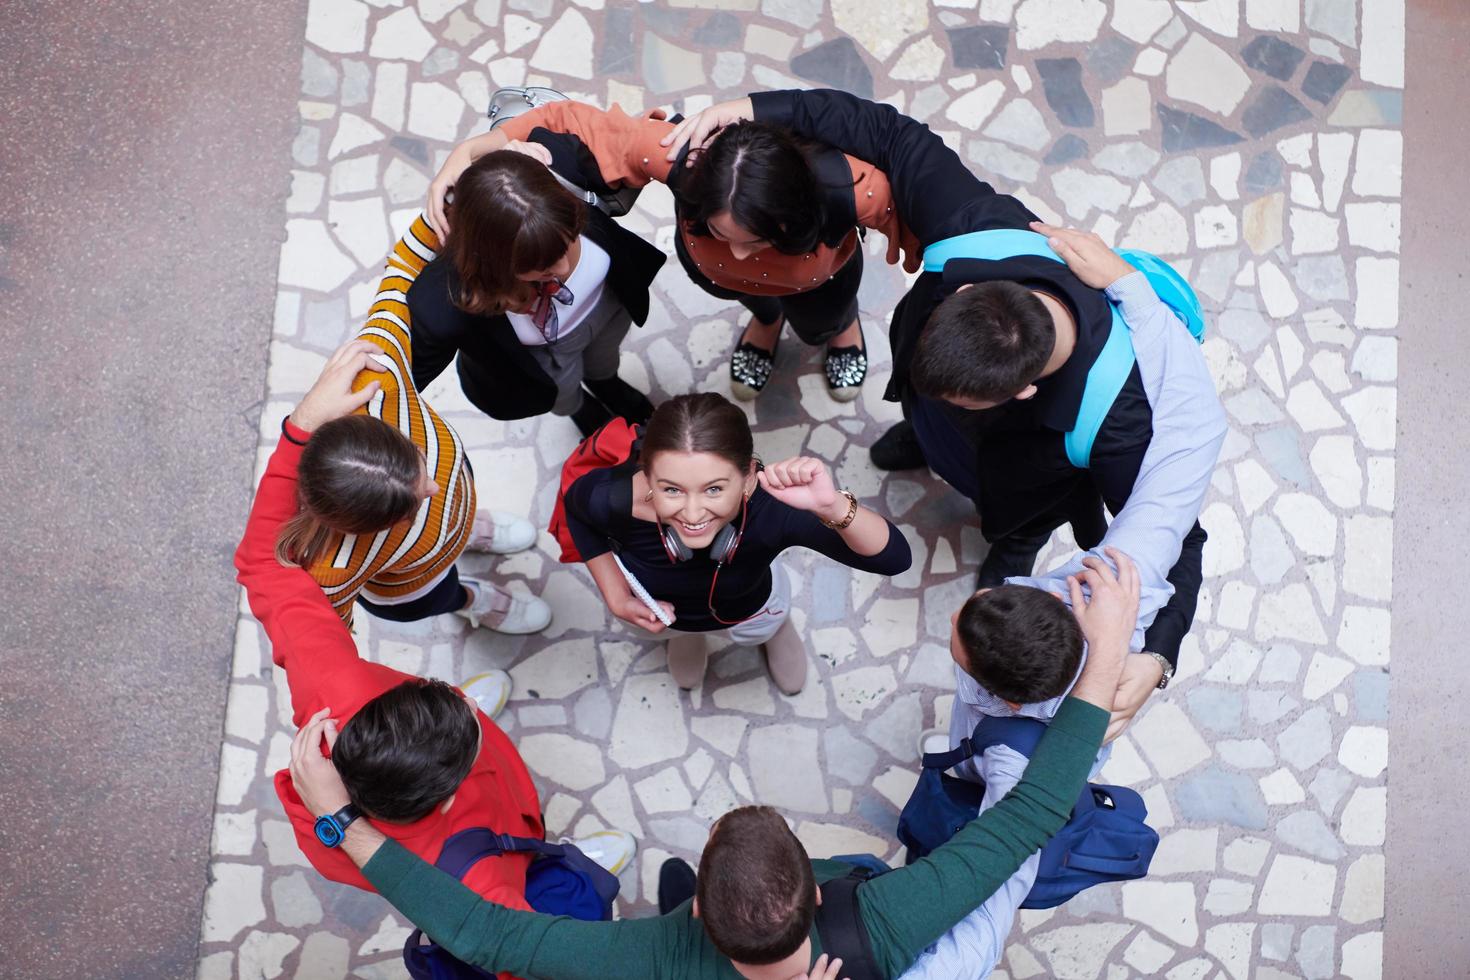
point(330, 829)
point(1168, 674)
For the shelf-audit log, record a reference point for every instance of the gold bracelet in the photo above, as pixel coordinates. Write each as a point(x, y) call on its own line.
point(852, 506)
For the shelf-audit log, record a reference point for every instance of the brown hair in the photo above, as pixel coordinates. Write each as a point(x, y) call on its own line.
point(757, 896)
point(509, 217)
point(1020, 643)
point(358, 475)
point(699, 423)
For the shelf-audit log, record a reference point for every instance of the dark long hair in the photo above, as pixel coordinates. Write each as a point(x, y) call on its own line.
point(509, 216)
point(699, 423)
point(358, 475)
point(763, 176)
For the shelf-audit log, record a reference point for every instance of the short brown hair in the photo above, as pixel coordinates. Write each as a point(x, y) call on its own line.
point(509, 216)
point(1020, 643)
point(700, 423)
point(757, 896)
point(987, 342)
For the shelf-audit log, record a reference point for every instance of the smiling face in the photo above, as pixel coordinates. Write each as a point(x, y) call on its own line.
point(697, 493)
point(742, 243)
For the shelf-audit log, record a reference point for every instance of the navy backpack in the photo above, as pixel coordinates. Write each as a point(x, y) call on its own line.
point(560, 881)
point(1104, 840)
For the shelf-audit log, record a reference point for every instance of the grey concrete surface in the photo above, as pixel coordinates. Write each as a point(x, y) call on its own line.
point(143, 176)
point(1427, 903)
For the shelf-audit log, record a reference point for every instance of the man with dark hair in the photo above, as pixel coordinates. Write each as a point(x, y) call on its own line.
point(756, 907)
point(417, 756)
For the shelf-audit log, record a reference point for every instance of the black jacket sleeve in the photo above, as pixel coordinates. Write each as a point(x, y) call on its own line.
point(435, 341)
point(588, 519)
point(804, 529)
point(1172, 623)
point(935, 192)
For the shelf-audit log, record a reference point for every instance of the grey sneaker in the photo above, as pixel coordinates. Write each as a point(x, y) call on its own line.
point(505, 612)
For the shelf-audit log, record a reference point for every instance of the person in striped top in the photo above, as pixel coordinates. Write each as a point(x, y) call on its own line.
point(386, 495)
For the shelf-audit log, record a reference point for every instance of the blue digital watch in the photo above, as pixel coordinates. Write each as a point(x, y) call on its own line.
point(330, 829)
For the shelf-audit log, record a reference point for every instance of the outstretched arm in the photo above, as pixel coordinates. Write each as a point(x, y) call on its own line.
point(490, 936)
point(308, 639)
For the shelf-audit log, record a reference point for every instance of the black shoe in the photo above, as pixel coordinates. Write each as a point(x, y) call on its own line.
point(846, 367)
point(1007, 558)
point(591, 415)
point(676, 882)
point(621, 398)
point(898, 448)
point(750, 368)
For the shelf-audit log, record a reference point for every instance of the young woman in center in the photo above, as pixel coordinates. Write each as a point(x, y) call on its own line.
point(763, 217)
point(700, 525)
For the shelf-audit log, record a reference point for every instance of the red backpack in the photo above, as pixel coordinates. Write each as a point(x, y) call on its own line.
point(611, 445)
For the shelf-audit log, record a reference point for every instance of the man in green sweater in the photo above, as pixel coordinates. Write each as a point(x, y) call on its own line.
point(754, 913)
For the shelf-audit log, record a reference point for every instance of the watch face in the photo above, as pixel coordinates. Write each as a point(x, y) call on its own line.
point(328, 831)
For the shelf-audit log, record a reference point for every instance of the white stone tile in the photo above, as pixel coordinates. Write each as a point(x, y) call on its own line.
point(824, 840)
point(234, 833)
point(649, 724)
point(1161, 230)
point(390, 92)
point(858, 691)
point(362, 226)
point(1373, 225)
point(566, 48)
point(1377, 292)
point(570, 762)
point(1185, 851)
point(1382, 61)
point(263, 954)
point(1378, 164)
point(245, 712)
point(664, 792)
point(402, 36)
point(1276, 291)
point(236, 774)
point(1297, 887)
point(753, 696)
point(1313, 232)
point(1380, 482)
point(1362, 957)
point(1166, 907)
point(1281, 788)
point(1274, 15)
point(1311, 525)
point(1254, 484)
point(1169, 740)
point(1368, 557)
point(1364, 750)
point(1373, 412)
point(435, 111)
point(353, 133)
point(1204, 74)
point(1075, 951)
point(974, 107)
point(1335, 465)
point(233, 900)
point(1225, 176)
point(1146, 954)
point(1140, 20)
point(1150, 63)
point(1362, 891)
point(1219, 16)
point(784, 768)
point(1215, 227)
point(1225, 551)
point(1127, 107)
point(557, 671)
point(311, 260)
point(1125, 767)
point(1362, 821)
point(337, 25)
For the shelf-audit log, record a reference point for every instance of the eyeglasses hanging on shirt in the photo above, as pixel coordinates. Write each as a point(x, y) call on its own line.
point(543, 308)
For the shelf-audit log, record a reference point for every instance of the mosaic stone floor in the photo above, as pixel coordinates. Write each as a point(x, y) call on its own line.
point(1255, 143)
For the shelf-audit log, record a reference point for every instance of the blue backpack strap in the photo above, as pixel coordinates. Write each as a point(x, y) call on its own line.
point(466, 848)
point(998, 243)
point(1021, 734)
point(1105, 380)
point(1176, 292)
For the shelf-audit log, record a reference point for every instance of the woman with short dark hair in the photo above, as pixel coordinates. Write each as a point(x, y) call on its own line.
point(764, 217)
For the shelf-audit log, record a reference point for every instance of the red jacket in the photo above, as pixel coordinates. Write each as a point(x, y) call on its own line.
point(323, 668)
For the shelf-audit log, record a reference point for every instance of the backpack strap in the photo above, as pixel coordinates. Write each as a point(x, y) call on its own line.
point(1020, 734)
point(1105, 381)
point(840, 926)
point(993, 245)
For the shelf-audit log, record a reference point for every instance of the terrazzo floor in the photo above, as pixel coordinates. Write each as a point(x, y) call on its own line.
point(1253, 143)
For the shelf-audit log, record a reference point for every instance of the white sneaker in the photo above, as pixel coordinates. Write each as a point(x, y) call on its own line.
point(612, 849)
point(500, 533)
point(934, 740)
point(489, 690)
point(505, 612)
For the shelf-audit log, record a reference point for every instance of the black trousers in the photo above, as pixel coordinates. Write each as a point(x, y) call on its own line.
point(816, 316)
point(446, 597)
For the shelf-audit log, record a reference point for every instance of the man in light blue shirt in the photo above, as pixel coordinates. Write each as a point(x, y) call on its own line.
point(1188, 430)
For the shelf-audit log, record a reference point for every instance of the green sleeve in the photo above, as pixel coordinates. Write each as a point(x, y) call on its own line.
point(907, 909)
point(530, 944)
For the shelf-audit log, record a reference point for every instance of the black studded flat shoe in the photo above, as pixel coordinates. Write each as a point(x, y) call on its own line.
point(750, 368)
point(846, 368)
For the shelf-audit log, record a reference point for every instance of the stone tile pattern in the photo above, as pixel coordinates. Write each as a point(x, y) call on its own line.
point(1252, 143)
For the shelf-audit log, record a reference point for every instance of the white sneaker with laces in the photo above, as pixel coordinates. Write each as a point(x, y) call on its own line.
point(612, 849)
point(505, 612)
point(489, 690)
point(934, 740)
point(500, 533)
